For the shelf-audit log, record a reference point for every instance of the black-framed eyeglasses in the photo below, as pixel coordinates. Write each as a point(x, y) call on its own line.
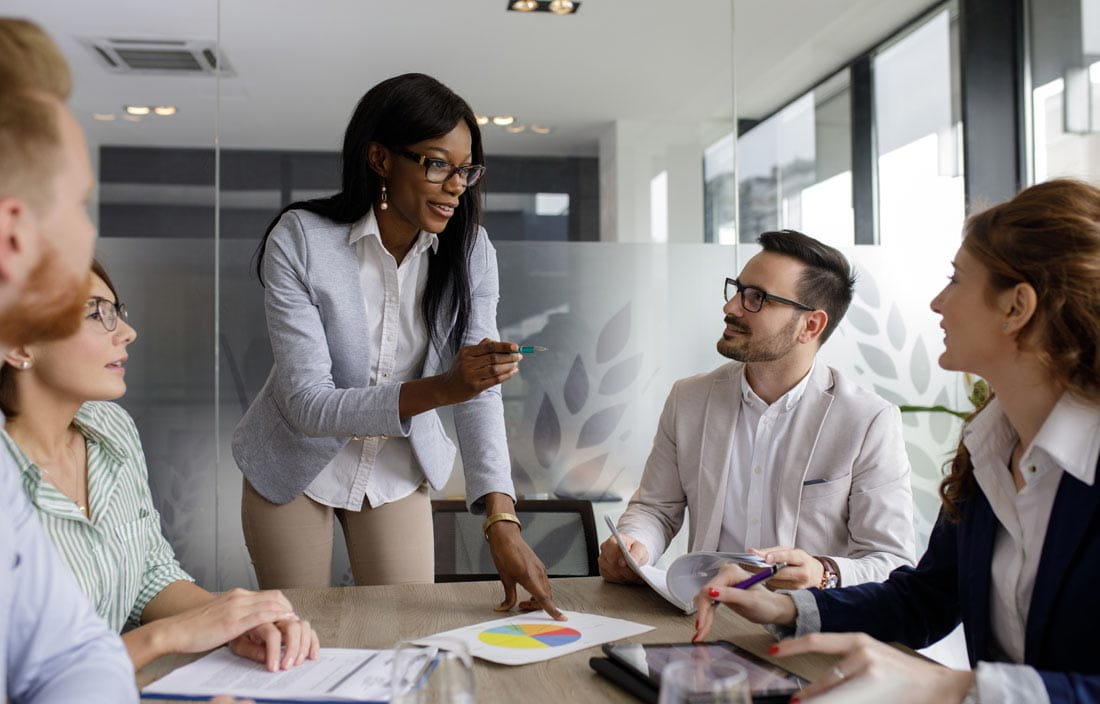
point(753, 297)
point(440, 171)
point(108, 312)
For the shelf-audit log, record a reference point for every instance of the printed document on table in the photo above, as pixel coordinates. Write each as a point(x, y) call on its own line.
point(534, 637)
point(337, 675)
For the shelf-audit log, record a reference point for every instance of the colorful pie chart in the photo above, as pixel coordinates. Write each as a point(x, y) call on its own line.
point(529, 635)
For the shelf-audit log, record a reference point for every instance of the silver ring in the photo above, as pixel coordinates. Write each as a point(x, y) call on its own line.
point(838, 672)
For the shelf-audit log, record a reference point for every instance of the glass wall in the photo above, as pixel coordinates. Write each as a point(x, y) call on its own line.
point(611, 196)
point(1064, 63)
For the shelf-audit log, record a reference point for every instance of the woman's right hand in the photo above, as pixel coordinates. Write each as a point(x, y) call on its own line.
point(222, 619)
point(479, 367)
point(757, 603)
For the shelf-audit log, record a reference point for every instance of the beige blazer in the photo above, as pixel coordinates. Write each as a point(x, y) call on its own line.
point(845, 441)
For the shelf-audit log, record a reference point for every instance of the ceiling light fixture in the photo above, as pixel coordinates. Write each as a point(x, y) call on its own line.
point(516, 129)
point(165, 110)
point(137, 109)
point(482, 120)
point(558, 7)
point(561, 7)
point(103, 116)
point(538, 129)
point(503, 120)
point(131, 118)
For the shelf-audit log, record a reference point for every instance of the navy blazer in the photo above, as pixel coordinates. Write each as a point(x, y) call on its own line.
point(919, 606)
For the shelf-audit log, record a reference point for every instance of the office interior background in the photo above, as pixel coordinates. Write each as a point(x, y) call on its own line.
point(650, 142)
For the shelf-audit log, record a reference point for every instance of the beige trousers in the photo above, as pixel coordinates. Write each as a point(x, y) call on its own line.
point(291, 544)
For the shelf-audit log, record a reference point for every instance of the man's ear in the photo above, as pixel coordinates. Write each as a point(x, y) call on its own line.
point(815, 323)
point(379, 159)
point(16, 250)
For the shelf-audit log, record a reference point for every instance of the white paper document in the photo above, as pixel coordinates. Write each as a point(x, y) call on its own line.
point(686, 575)
point(337, 675)
point(534, 637)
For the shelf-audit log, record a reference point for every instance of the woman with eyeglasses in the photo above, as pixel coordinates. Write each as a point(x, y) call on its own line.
point(83, 467)
point(1015, 554)
point(381, 308)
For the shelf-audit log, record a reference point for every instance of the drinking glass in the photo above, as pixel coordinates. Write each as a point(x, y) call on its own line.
point(695, 681)
point(440, 673)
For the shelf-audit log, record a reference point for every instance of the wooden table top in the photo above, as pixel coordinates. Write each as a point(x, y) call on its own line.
point(379, 617)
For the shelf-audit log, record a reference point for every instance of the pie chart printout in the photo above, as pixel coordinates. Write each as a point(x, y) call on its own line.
point(529, 635)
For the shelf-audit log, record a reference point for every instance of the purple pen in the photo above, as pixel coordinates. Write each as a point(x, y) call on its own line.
point(760, 576)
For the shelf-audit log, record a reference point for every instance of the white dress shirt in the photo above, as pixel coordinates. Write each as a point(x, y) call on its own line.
point(382, 469)
point(760, 446)
point(1068, 442)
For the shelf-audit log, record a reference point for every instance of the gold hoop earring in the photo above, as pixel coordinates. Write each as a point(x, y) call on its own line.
point(384, 205)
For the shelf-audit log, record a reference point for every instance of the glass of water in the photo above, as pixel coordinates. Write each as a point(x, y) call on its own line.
point(695, 681)
point(440, 673)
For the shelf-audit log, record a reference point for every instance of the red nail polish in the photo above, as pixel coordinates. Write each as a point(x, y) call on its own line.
point(695, 638)
point(773, 650)
point(713, 592)
point(697, 624)
point(794, 700)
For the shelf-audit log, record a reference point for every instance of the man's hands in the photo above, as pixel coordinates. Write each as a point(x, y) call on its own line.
point(803, 570)
point(516, 562)
point(613, 565)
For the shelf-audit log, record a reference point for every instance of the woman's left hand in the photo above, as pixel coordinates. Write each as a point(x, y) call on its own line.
point(877, 670)
point(266, 643)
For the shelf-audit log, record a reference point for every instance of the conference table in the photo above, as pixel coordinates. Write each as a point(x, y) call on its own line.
point(379, 617)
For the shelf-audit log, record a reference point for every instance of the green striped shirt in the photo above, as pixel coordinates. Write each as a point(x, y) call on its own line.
point(120, 558)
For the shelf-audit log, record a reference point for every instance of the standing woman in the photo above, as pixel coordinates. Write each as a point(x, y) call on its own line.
point(381, 307)
point(1015, 554)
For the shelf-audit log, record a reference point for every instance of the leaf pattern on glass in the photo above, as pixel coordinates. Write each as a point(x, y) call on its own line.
point(862, 320)
point(600, 426)
point(941, 423)
point(895, 327)
point(927, 503)
point(547, 433)
point(919, 367)
point(879, 362)
point(556, 545)
point(866, 288)
point(614, 336)
point(576, 387)
point(581, 478)
point(619, 377)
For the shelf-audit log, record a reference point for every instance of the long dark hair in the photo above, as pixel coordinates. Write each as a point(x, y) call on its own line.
point(1049, 237)
point(397, 112)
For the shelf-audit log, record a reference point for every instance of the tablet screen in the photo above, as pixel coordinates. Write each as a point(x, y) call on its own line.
point(648, 660)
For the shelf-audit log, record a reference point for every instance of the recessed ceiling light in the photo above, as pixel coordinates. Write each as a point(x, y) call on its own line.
point(561, 7)
point(516, 129)
point(482, 120)
point(538, 129)
point(137, 109)
point(103, 116)
point(558, 7)
point(131, 118)
point(165, 110)
point(503, 120)
point(525, 5)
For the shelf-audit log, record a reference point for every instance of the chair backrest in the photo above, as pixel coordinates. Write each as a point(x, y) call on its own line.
point(562, 534)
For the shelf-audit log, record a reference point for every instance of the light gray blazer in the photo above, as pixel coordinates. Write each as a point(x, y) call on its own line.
point(318, 396)
point(844, 494)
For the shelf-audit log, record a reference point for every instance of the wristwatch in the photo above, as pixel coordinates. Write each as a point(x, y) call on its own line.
point(830, 578)
point(510, 517)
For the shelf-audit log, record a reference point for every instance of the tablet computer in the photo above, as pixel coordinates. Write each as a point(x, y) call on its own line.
point(767, 682)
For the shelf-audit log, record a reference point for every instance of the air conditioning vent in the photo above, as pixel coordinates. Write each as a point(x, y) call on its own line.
point(180, 57)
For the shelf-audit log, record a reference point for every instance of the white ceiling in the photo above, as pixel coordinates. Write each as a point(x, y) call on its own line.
point(301, 66)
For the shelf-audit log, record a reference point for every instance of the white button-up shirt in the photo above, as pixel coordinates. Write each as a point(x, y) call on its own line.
point(760, 445)
point(1068, 442)
point(380, 469)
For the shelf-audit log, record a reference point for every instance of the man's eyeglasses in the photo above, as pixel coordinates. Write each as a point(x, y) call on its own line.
point(752, 297)
point(107, 312)
point(439, 171)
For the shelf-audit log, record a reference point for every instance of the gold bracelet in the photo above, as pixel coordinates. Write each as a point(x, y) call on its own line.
point(497, 517)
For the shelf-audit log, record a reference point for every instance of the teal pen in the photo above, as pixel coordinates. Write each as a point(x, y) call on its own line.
point(531, 349)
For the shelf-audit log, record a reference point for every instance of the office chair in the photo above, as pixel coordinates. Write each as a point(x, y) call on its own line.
point(562, 534)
